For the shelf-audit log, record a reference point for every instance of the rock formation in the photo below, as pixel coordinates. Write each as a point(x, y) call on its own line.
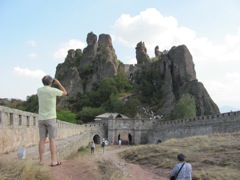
point(81, 70)
point(141, 53)
point(176, 74)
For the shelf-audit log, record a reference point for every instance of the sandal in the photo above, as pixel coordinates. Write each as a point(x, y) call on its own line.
point(58, 164)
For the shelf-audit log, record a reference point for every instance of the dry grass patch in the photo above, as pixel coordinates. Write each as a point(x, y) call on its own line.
point(212, 156)
point(22, 170)
point(109, 170)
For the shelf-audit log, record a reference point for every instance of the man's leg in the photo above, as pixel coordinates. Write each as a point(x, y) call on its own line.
point(53, 151)
point(52, 130)
point(41, 148)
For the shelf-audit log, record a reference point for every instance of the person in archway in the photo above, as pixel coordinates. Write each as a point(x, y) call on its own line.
point(119, 142)
point(47, 116)
point(103, 145)
point(92, 145)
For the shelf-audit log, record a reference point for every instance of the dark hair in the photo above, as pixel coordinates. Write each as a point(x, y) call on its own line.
point(47, 80)
point(181, 157)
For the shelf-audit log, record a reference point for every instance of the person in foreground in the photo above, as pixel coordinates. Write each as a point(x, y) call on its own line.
point(182, 170)
point(47, 116)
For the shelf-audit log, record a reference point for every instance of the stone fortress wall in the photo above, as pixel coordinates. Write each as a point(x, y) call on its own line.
point(201, 125)
point(20, 129)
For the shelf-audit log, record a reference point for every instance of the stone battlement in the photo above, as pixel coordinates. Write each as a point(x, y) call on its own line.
point(198, 119)
point(20, 128)
point(201, 125)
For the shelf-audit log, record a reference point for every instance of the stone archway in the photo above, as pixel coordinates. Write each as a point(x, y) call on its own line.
point(130, 139)
point(126, 138)
point(96, 139)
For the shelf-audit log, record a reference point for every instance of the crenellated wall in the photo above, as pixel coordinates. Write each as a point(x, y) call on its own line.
point(20, 128)
point(201, 125)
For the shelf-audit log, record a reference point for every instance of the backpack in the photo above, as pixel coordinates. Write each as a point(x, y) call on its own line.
point(103, 144)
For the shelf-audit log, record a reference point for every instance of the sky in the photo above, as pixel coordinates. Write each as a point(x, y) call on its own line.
point(35, 36)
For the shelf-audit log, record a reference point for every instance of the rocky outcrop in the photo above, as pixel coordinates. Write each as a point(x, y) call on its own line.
point(204, 104)
point(177, 76)
point(83, 69)
point(106, 62)
point(89, 53)
point(141, 54)
point(174, 72)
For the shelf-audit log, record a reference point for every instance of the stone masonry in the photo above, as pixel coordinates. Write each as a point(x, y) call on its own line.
point(19, 129)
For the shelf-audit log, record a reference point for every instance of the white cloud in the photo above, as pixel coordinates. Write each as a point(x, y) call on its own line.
point(154, 29)
point(217, 62)
point(61, 53)
point(32, 43)
point(32, 55)
point(25, 72)
point(149, 26)
point(225, 90)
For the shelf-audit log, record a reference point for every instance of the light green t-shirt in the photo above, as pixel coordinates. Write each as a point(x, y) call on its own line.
point(47, 102)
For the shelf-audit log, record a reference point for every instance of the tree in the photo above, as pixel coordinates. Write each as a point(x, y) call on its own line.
point(66, 115)
point(122, 81)
point(88, 114)
point(185, 107)
point(131, 107)
point(31, 104)
point(113, 104)
point(107, 87)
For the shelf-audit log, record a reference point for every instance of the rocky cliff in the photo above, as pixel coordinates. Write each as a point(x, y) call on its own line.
point(177, 76)
point(82, 70)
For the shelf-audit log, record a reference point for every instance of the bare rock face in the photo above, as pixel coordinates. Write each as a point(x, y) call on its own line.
point(204, 104)
point(89, 53)
point(106, 63)
point(81, 70)
point(177, 76)
point(68, 73)
point(157, 52)
point(182, 65)
point(141, 54)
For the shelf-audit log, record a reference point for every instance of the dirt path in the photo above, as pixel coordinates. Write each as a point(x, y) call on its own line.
point(86, 168)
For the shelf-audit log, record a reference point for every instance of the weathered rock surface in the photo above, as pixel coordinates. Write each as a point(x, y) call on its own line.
point(81, 70)
point(175, 69)
point(141, 53)
point(177, 76)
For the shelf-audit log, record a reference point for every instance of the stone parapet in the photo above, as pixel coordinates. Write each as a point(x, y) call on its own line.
point(202, 125)
point(20, 129)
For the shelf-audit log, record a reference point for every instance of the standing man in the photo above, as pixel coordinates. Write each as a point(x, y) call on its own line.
point(92, 147)
point(103, 145)
point(119, 142)
point(47, 116)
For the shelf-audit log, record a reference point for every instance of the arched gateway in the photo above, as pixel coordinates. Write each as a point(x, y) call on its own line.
point(130, 131)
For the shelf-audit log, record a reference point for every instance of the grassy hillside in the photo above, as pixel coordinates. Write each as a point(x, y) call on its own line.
point(212, 157)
